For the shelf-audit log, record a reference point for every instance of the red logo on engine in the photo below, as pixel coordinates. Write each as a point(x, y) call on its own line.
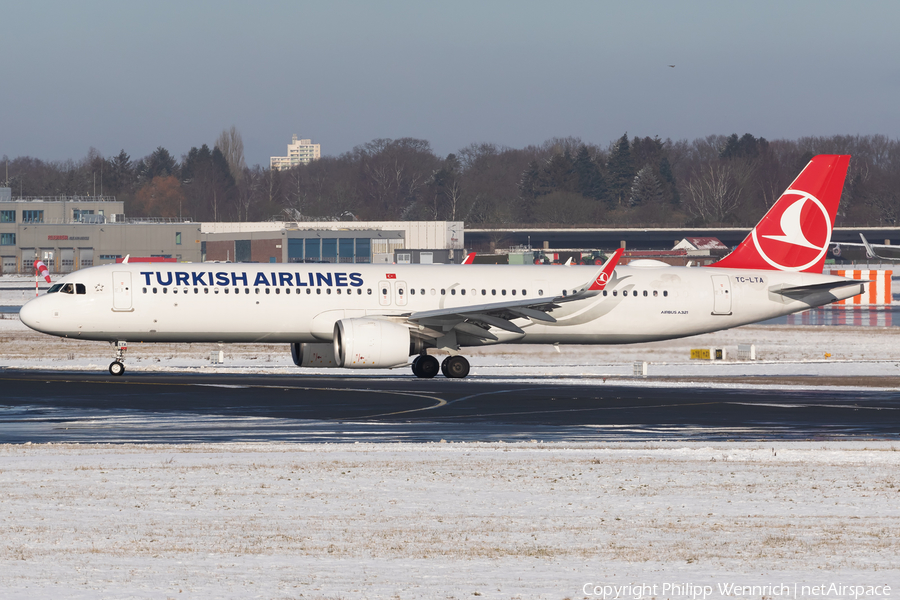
point(797, 238)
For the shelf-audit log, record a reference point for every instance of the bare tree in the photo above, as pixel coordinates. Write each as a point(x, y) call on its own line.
point(231, 145)
point(716, 190)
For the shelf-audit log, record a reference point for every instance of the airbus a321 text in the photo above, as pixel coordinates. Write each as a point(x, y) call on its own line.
point(374, 316)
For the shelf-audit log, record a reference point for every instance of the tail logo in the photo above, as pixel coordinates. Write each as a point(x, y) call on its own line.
point(799, 238)
point(602, 278)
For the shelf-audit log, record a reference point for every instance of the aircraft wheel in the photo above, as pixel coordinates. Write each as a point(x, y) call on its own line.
point(444, 367)
point(426, 366)
point(415, 365)
point(116, 368)
point(457, 367)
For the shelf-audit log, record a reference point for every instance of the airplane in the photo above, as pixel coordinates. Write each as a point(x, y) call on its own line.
point(365, 316)
point(871, 253)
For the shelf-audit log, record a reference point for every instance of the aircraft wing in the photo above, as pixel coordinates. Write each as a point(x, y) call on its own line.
point(476, 319)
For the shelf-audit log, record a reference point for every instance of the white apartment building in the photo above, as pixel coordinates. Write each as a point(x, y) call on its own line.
point(299, 152)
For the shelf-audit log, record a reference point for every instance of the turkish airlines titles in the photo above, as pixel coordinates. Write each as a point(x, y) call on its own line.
point(226, 279)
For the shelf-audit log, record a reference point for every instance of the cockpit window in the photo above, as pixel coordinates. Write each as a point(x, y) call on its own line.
point(80, 289)
point(54, 288)
point(68, 288)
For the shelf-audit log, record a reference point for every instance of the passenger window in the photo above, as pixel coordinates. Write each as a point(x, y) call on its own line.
point(309, 291)
point(277, 290)
point(215, 291)
point(524, 292)
point(369, 291)
point(79, 288)
point(328, 291)
point(655, 293)
point(145, 290)
point(400, 291)
point(462, 291)
point(453, 292)
point(615, 293)
point(257, 290)
point(493, 292)
point(338, 291)
point(513, 292)
point(412, 291)
point(502, 292)
point(540, 292)
point(154, 290)
point(226, 291)
point(665, 293)
point(443, 292)
point(205, 291)
point(645, 293)
point(423, 291)
point(384, 291)
point(165, 290)
point(174, 290)
point(359, 291)
point(432, 291)
point(604, 292)
point(319, 291)
point(268, 291)
point(624, 292)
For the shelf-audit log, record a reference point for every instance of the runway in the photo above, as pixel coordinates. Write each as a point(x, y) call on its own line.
point(82, 407)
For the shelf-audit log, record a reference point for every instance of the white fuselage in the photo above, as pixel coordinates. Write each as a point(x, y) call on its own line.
point(209, 302)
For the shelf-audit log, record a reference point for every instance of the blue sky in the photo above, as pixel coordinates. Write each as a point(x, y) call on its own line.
point(137, 75)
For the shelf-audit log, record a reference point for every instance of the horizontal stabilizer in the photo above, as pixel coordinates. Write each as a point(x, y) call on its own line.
point(801, 291)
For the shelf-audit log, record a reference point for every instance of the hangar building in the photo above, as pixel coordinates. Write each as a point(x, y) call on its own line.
point(70, 233)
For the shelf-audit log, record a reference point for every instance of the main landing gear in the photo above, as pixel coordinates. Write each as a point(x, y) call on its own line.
point(117, 367)
point(454, 367)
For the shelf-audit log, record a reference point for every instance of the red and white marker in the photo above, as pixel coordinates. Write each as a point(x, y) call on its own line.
point(40, 269)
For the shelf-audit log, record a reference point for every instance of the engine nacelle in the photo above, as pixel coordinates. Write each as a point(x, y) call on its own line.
point(313, 355)
point(370, 343)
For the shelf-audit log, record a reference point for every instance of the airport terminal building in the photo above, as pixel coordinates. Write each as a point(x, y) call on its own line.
point(70, 233)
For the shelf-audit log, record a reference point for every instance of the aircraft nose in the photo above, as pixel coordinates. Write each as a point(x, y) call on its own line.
point(30, 314)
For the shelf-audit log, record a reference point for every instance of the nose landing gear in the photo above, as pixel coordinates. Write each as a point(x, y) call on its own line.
point(117, 367)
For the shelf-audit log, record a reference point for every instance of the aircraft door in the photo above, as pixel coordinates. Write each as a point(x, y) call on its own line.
point(721, 295)
point(385, 293)
point(122, 291)
point(400, 293)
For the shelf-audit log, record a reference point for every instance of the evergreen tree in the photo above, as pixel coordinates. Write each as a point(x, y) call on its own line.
point(746, 146)
point(591, 183)
point(645, 188)
point(120, 174)
point(668, 180)
point(558, 175)
point(530, 183)
point(160, 164)
point(621, 171)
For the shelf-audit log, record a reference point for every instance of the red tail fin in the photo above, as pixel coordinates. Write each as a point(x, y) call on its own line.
point(795, 233)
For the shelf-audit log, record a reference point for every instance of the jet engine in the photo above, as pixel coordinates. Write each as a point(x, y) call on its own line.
point(370, 343)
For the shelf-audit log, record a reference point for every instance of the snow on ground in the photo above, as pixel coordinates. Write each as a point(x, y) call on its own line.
point(404, 521)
